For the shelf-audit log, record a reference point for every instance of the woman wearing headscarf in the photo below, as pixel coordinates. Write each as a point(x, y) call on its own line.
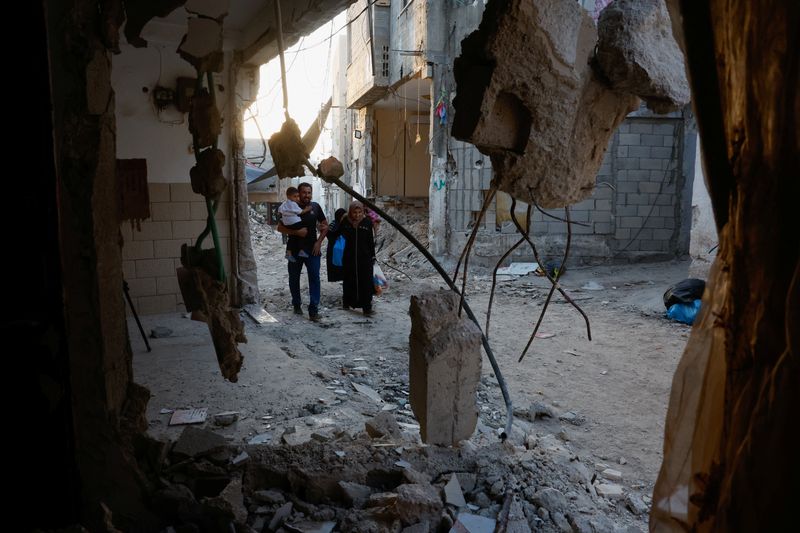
point(358, 257)
point(335, 273)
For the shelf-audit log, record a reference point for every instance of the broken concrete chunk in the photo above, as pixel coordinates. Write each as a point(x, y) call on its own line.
point(354, 494)
point(227, 418)
point(270, 496)
point(515, 521)
point(205, 122)
point(635, 504)
point(196, 442)
point(416, 503)
point(368, 392)
point(539, 410)
point(381, 499)
point(310, 527)
point(470, 523)
point(445, 368)
point(610, 473)
point(612, 491)
point(382, 425)
point(528, 98)
point(551, 499)
point(573, 418)
point(240, 459)
point(330, 168)
point(637, 53)
point(206, 176)
point(453, 494)
point(288, 151)
point(234, 500)
point(283, 512)
point(467, 480)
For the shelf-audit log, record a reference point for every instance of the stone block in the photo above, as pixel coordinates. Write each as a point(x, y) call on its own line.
point(445, 368)
point(637, 52)
point(546, 135)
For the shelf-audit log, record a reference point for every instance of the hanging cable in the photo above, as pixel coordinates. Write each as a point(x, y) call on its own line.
point(283, 63)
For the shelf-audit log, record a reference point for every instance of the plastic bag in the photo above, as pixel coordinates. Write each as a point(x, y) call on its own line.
point(338, 251)
point(684, 292)
point(685, 313)
point(379, 279)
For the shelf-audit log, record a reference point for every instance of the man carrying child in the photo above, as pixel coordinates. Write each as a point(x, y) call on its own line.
point(304, 246)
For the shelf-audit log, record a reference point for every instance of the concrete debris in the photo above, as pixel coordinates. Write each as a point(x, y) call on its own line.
point(612, 491)
point(205, 121)
point(635, 504)
point(240, 459)
point(206, 176)
point(416, 502)
point(453, 494)
point(383, 425)
point(637, 53)
point(227, 418)
point(196, 442)
point(513, 519)
point(551, 499)
point(470, 523)
point(230, 501)
point(224, 323)
point(159, 332)
point(288, 151)
point(445, 368)
point(330, 168)
point(270, 496)
point(202, 45)
point(283, 512)
point(310, 527)
point(610, 473)
point(540, 410)
point(528, 97)
point(261, 438)
point(354, 494)
point(368, 392)
point(573, 418)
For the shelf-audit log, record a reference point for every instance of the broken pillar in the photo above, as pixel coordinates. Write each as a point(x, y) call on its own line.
point(637, 53)
point(528, 97)
point(444, 368)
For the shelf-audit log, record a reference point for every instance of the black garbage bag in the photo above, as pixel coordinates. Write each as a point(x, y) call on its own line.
point(684, 292)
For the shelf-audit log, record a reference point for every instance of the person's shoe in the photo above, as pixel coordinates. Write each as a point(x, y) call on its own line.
point(314, 317)
point(369, 312)
point(346, 305)
point(298, 310)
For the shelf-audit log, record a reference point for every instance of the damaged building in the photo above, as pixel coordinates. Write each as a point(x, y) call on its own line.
point(113, 203)
point(401, 143)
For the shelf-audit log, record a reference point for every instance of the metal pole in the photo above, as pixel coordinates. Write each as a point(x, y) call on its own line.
point(135, 316)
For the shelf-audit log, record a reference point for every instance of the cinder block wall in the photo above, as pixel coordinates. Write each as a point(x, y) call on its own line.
point(151, 256)
point(636, 209)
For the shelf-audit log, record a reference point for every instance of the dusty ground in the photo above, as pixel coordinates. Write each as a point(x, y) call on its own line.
point(298, 374)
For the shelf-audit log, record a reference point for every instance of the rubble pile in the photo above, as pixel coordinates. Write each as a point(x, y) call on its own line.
point(395, 249)
point(381, 478)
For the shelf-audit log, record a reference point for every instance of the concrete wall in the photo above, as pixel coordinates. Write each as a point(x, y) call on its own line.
point(162, 138)
point(150, 256)
point(638, 209)
point(704, 229)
